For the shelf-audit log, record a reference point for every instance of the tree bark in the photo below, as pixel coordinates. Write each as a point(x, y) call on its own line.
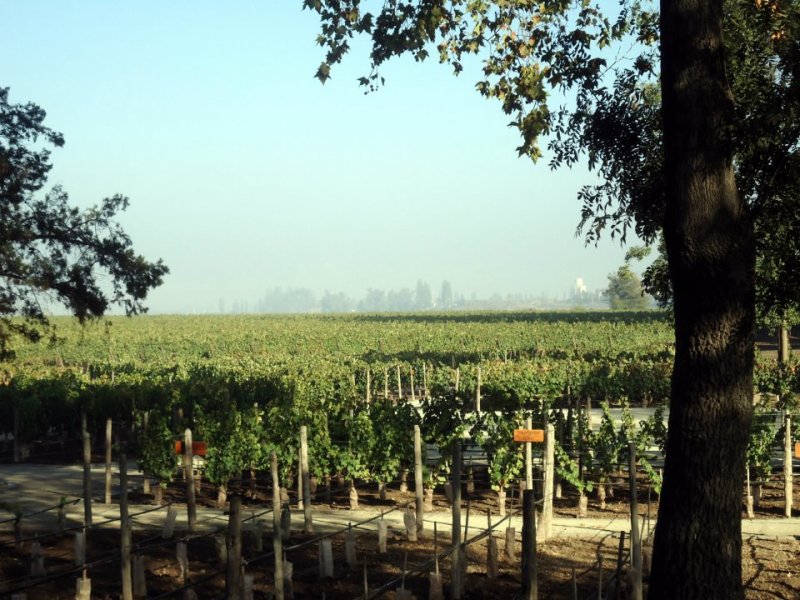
point(709, 238)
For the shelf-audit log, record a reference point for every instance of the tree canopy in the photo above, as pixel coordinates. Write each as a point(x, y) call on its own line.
point(51, 251)
point(625, 291)
point(650, 103)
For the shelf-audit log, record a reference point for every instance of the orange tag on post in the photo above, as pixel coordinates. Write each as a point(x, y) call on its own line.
point(198, 448)
point(529, 435)
point(797, 450)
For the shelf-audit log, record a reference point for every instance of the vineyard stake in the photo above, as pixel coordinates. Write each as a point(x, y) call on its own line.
point(529, 575)
point(233, 576)
point(548, 487)
point(87, 472)
point(145, 475)
point(308, 525)
point(369, 383)
point(188, 475)
point(125, 529)
point(478, 393)
point(413, 394)
point(455, 577)
point(277, 546)
point(528, 457)
point(787, 466)
point(109, 426)
point(618, 573)
point(418, 493)
point(636, 544)
point(399, 385)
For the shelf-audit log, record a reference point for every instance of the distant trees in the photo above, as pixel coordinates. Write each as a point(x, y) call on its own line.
point(625, 291)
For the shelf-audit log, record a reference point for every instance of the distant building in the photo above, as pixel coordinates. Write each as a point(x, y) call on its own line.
point(580, 287)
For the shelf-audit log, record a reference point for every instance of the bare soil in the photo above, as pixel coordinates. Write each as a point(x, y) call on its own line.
point(771, 567)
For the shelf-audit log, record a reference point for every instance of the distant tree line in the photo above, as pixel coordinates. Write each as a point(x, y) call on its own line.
point(406, 299)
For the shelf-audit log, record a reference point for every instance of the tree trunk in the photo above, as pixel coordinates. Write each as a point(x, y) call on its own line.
point(709, 238)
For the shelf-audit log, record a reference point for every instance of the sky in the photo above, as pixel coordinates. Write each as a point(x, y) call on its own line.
point(246, 174)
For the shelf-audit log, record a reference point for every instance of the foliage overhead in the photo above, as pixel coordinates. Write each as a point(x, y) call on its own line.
point(50, 250)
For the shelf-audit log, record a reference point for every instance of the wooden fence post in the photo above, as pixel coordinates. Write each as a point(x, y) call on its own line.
point(277, 545)
point(188, 475)
point(87, 472)
point(125, 529)
point(109, 425)
point(413, 393)
point(549, 479)
point(308, 525)
point(418, 492)
point(368, 396)
point(529, 575)
point(787, 467)
point(636, 544)
point(399, 385)
point(145, 474)
point(528, 457)
point(478, 393)
point(457, 558)
point(233, 543)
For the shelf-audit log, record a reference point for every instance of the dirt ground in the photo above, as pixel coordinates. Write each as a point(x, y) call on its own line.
point(771, 568)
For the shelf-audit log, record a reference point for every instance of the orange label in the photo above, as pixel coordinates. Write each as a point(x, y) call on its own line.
point(198, 448)
point(797, 450)
point(529, 435)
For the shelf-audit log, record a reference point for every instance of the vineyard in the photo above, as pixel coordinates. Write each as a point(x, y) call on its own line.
point(245, 386)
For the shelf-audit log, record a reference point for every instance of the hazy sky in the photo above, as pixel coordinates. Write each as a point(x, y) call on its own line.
point(245, 173)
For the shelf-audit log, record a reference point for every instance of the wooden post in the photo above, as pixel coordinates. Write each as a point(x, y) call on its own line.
point(145, 474)
point(188, 475)
point(109, 426)
point(478, 393)
point(413, 393)
point(350, 548)
point(383, 534)
point(308, 525)
point(182, 555)
point(418, 492)
point(528, 458)
point(80, 548)
point(491, 548)
point(83, 587)
point(37, 561)
point(618, 572)
point(456, 575)
point(233, 543)
point(399, 385)
point(424, 380)
point(369, 386)
point(277, 545)
point(125, 529)
point(636, 545)
point(300, 502)
point(787, 467)
point(139, 580)
point(87, 471)
point(529, 575)
point(549, 479)
point(169, 523)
